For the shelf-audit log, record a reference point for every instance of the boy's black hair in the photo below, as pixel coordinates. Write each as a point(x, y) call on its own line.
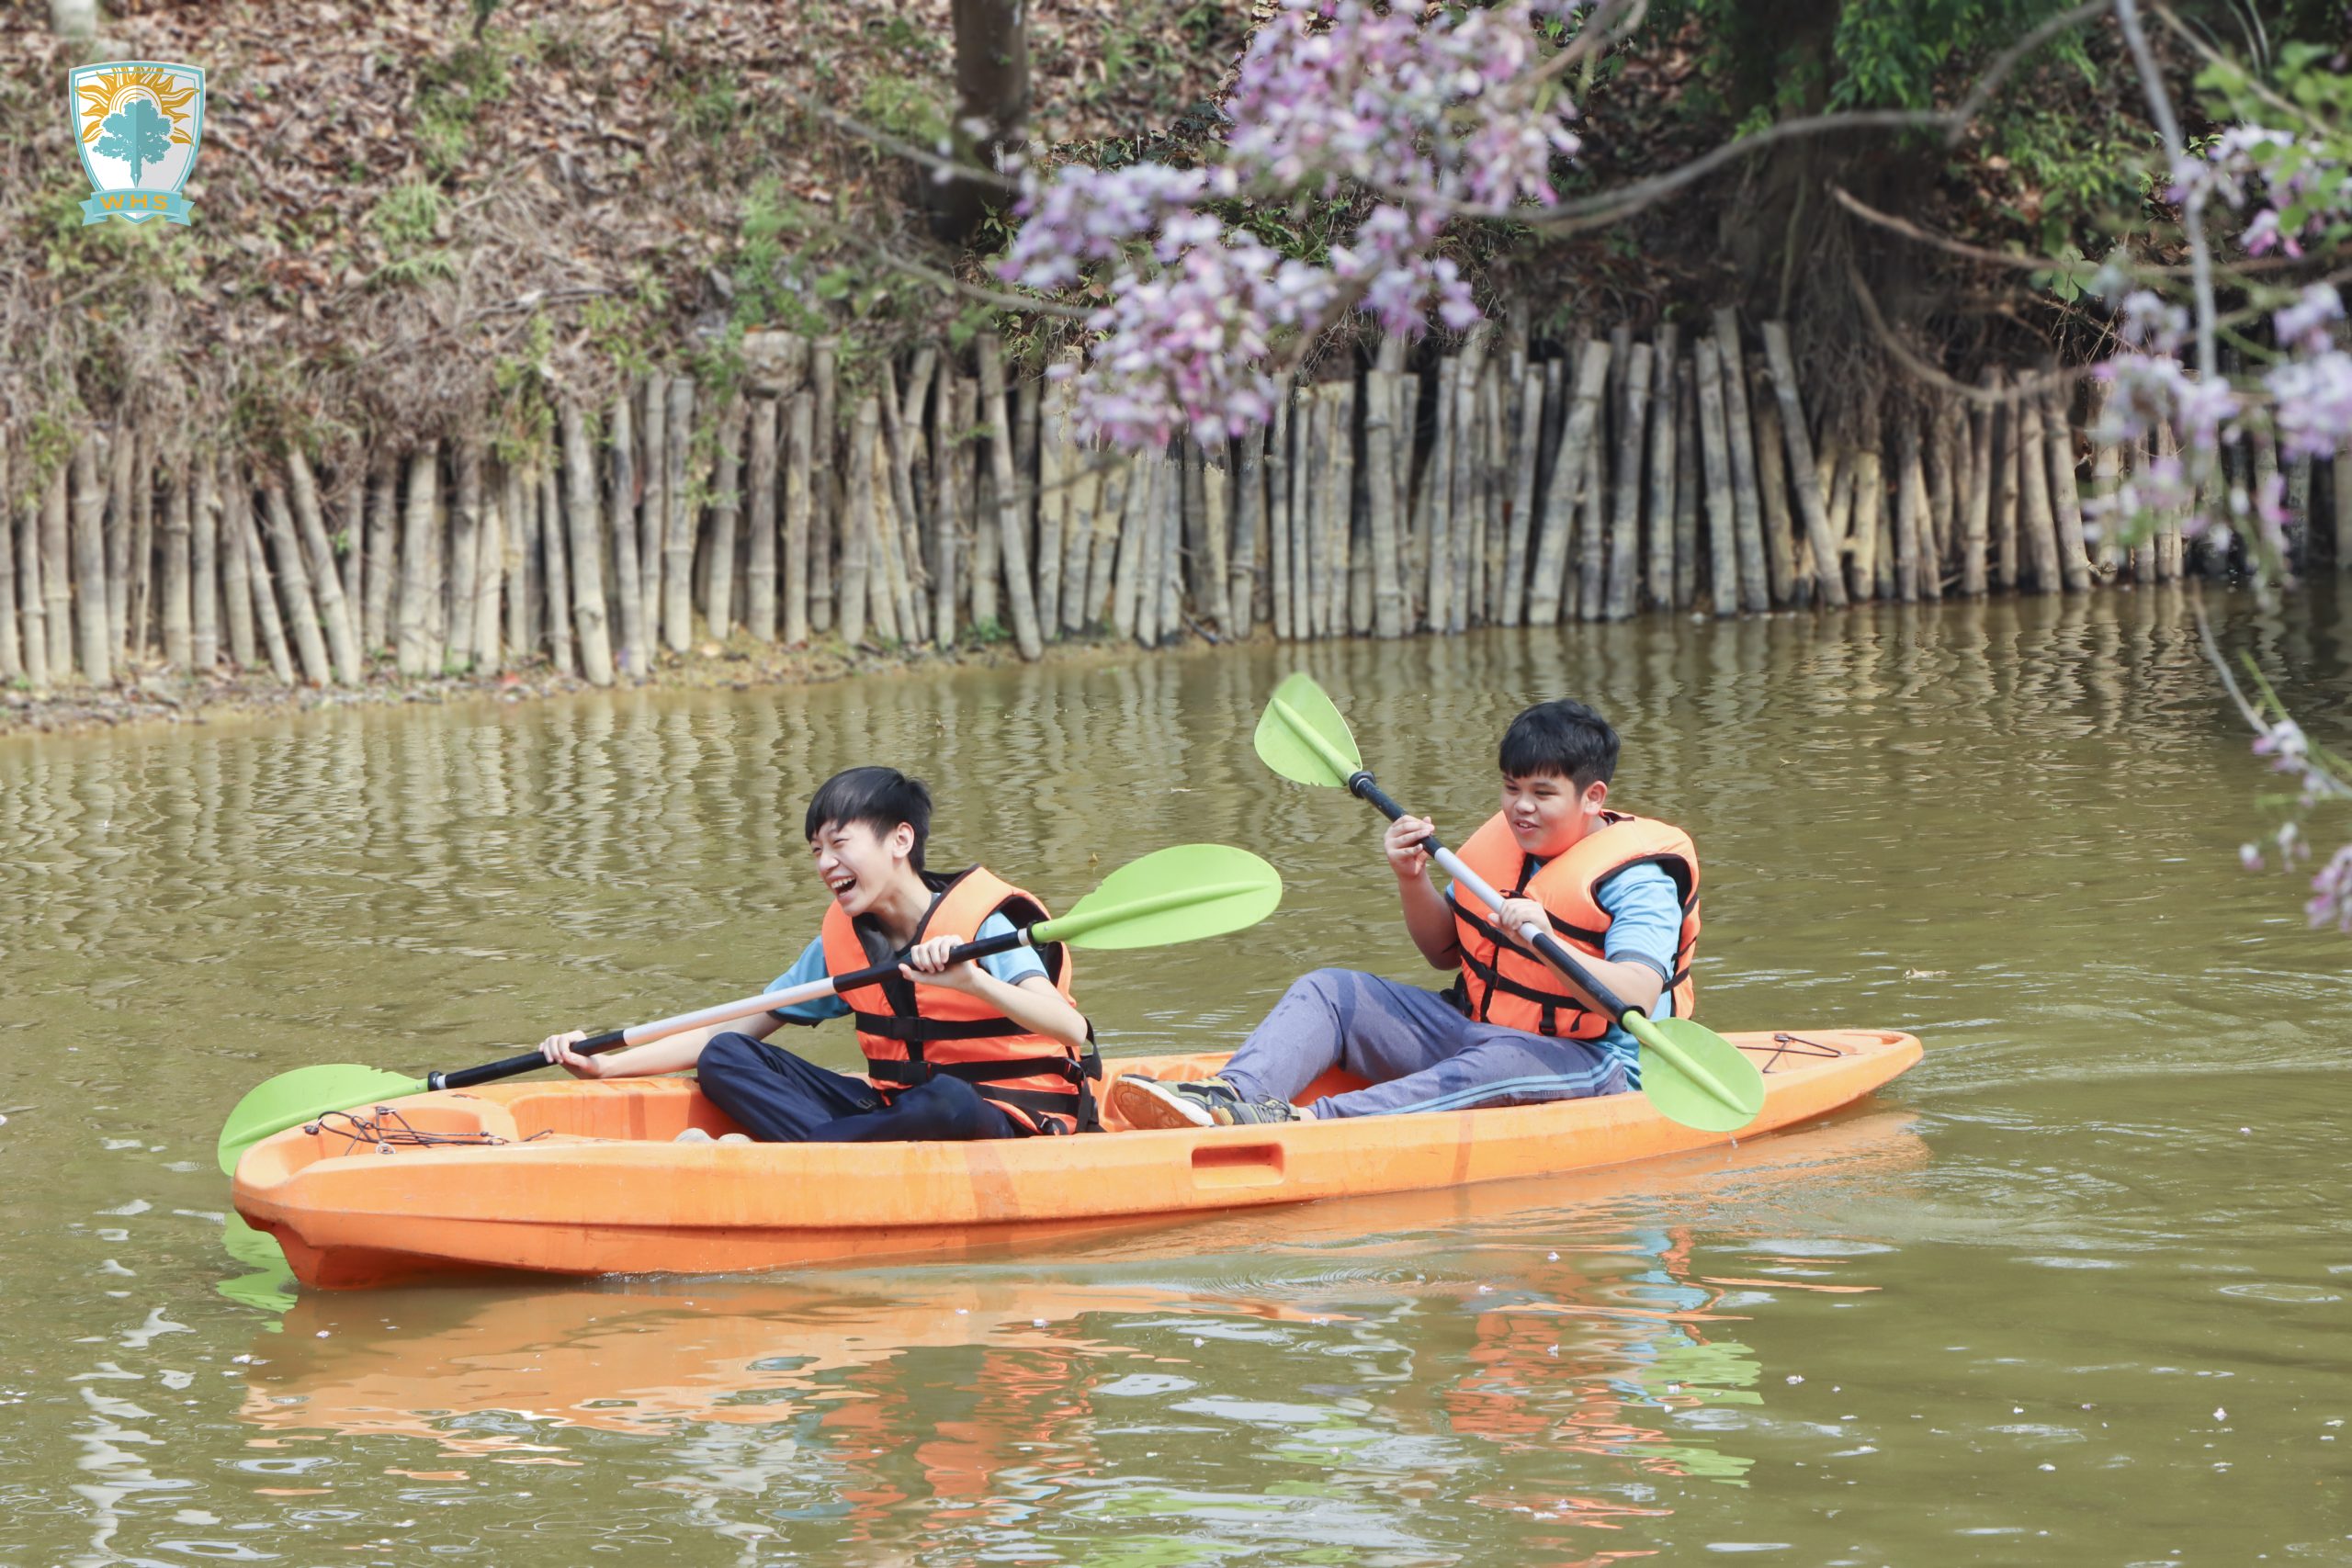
point(879, 797)
point(1564, 738)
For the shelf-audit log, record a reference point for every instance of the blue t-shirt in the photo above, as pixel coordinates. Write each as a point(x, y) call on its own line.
point(1645, 927)
point(1009, 967)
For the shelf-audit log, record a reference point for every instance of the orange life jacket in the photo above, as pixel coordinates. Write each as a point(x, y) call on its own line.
point(911, 1034)
point(1502, 984)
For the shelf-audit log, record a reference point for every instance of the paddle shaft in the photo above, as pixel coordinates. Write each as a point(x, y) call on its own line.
point(725, 1013)
point(1360, 783)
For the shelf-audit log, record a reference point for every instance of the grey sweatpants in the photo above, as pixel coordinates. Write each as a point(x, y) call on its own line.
point(1414, 1049)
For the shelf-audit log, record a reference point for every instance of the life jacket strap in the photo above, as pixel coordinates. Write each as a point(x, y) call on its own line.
point(915, 1031)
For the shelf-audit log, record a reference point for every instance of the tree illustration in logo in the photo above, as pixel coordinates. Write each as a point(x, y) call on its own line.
point(136, 113)
point(138, 135)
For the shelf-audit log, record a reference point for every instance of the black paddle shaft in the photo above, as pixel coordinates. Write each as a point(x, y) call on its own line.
point(612, 1039)
point(1360, 783)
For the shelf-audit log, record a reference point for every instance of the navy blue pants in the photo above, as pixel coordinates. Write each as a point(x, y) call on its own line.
point(779, 1098)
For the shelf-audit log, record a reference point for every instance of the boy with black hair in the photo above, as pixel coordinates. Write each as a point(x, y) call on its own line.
point(1621, 890)
point(992, 1049)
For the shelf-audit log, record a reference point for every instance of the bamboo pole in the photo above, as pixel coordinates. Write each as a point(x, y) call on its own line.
point(2006, 498)
point(825, 496)
point(902, 440)
point(1626, 540)
point(2339, 484)
point(1380, 498)
point(1510, 601)
point(1925, 569)
point(1686, 485)
point(799, 489)
point(94, 638)
point(1592, 543)
point(887, 608)
point(12, 665)
point(584, 534)
point(1134, 527)
point(1214, 573)
point(118, 453)
point(1491, 543)
point(726, 520)
point(2065, 499)
point(1828, 576)
point(1977, 521)
point(381, 556)
point(951, 462)
point(1659, 558)
point(408, 617)
point(136, 642)
point(1086, 500)
point(1772, 491)
point(1722, 572)
point(2033, 483)
point(32, 610)
point(489, 576)
point(1321, 473)
point(436, 571)
point(1869, 495)
point(858, 531)
point(1148, 549)
point(1755, 585)
point(1438, 490)
point(678, 537)
point(1057, 469)
point(1938, 524)
point(236, 570)
point(521, 545)
point(177, 603)
point(632, 495)
point(1103, 552)
point(759, 601)
point(333, 608)
point(204, 569)
point(465, 552)
point(1547, 588)
point(1351, 522)
point(1469, 487)
point(1278, 561)
point(1908, 491)
point(1837, 476)
point(264, 599)
point(652, 516)
point(1171, 523)
point(2107, 478)
point(557, 556)
point(1011, 520)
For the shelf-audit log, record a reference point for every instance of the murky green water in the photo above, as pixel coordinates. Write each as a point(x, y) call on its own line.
point(2074, 1291)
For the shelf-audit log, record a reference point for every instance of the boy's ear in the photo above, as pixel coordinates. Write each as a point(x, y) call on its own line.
point(903, 840)
point(1595, 794)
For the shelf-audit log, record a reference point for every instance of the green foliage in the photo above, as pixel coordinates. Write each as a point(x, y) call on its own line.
point(980, 634)
point(2309, 101)
point(914, 108)
point(407, 218)
point(451, 92)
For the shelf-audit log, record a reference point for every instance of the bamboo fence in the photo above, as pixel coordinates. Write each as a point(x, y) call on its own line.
point(1488, 483)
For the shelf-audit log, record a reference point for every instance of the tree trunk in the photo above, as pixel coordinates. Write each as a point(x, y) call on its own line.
point(1440, 489)
point(1869, 495)
point(408, 619)
point(11, 663)
point(726, 516)
point(800, 485)
point(584, 534)
point(334, 610)
point(2033, 486)
point(520, 549)
point(678, 538)
point(1278, 497)
point(1907, 531)
point(1379, 441)
point(143, 551)
point(1012, 534)
point(300, 597)
point(1171, 580)
point(1754, 586)
point(556, 560)
point(949, 456)
point(1248, 511)
point(1828, 577)
point(857, 532)
point(121, 459)
point(1135, 528)
point(992, 106)
point(1057, 469)
point(1723, 550)
point(95, 637)
point(1686, 485)
point(465, 553)
point(490, 575)
point(1975, 529)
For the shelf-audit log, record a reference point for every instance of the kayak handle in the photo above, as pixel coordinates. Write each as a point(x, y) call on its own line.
point(645, 1034)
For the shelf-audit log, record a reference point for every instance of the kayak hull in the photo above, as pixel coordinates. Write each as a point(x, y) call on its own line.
point(584, 1179)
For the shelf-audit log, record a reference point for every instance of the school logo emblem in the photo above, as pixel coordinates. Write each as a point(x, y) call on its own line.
point(138, 124)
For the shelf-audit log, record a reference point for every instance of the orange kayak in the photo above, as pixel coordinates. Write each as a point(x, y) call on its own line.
point(583, 1177)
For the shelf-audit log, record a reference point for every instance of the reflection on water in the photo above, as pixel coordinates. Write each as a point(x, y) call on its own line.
point(2103, 1322)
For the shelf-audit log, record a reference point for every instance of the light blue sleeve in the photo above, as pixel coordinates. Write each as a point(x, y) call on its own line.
point(1645, 920)
point(810, 966)
point(1009, 967)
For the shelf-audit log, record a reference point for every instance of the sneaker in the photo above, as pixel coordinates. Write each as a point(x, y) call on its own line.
point(734, 1137)
point(693, 1135)
point(1212, 1102)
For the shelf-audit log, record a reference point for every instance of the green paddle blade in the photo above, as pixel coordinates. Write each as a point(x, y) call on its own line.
point(304, 1095)
point(1694, 1076)
point(1302, 736)
point(1179, 894)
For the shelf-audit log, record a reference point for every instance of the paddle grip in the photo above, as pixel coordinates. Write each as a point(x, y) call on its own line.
point(1360, 783)
point(613, 1039)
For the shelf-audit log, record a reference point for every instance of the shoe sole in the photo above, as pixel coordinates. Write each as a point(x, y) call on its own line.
point(1148, 1104)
